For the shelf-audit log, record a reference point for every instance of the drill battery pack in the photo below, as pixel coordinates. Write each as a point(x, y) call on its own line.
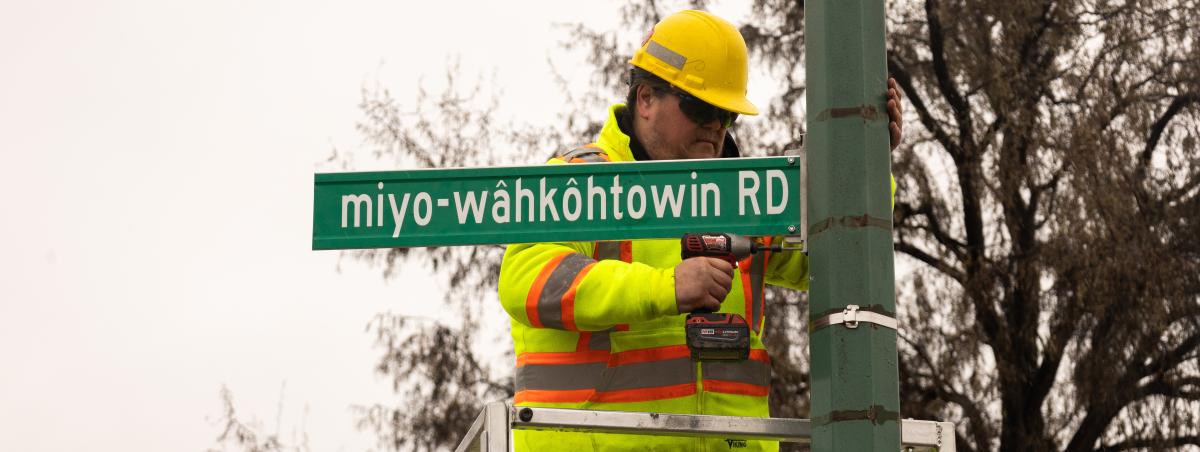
point(717, 336)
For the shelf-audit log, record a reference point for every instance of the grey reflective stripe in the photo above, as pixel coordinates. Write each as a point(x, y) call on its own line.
point(666, 55)
point(559, 377)
point(758, 266)
point(570, 377)
point(599, 340)
point(589, 154)
point(550, 301)
point(608, 250)
point(578, 152)
point(650, 374)
point(748, 371)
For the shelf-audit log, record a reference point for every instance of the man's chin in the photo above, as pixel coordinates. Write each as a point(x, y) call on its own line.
point(703, 150)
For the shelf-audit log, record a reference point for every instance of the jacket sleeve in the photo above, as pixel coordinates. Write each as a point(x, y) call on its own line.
point(557, 285)
point(790, 268)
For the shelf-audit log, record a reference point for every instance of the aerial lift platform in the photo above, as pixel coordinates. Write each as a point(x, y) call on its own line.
point(492, 430)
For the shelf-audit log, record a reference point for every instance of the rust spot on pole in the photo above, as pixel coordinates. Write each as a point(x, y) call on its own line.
point(850, 222)
point(867, 112)
point(876, 414)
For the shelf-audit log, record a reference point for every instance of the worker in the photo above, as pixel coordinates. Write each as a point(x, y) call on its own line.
point(600, 326)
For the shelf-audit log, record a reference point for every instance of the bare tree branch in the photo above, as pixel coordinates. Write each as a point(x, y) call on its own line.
point(1155, 444)
point(1178, 103)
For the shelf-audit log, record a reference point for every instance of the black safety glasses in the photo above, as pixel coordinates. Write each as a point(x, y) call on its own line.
point(701, 112)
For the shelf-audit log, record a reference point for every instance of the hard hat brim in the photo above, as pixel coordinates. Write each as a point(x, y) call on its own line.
point(739, 105)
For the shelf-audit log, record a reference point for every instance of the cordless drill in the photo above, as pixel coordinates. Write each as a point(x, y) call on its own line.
point(718, 336)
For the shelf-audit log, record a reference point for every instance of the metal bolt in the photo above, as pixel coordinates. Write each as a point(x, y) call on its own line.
point(791, 228)
point(526, 414)
point(791, 160)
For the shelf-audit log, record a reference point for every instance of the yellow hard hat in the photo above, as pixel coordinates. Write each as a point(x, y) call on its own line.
point(701, 54)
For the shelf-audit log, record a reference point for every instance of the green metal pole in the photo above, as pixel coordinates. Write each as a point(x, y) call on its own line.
point(855, 383)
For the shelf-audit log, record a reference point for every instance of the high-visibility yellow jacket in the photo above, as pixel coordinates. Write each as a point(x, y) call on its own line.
point(595, 326)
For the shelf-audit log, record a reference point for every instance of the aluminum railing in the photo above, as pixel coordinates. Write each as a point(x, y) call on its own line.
point(492, 430)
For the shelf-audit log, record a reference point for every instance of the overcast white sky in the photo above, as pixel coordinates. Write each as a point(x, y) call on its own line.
point(157, 189)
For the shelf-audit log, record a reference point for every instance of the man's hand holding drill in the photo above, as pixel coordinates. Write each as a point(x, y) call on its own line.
point(702, 283)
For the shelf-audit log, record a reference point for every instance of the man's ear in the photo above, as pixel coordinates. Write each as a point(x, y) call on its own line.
point(646, 101)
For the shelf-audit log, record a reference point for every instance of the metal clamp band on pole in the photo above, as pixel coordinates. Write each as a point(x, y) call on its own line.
point(851, 317)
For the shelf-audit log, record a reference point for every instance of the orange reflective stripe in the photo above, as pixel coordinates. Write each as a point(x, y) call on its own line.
point(645, 394)
point(590, 356)
point(650, 354)
point(747, 291)
point(585, 338)
point(757, 271)
point(535, 292)
point(621, 396)
point(758, 354)
point(733, 387)
point(568, 300)
point(535, 396)
point(766, 261)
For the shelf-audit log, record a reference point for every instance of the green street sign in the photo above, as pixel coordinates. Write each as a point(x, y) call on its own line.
point(544, 203)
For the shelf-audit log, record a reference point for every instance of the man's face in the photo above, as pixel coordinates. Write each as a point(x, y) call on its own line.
point(668, 134)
